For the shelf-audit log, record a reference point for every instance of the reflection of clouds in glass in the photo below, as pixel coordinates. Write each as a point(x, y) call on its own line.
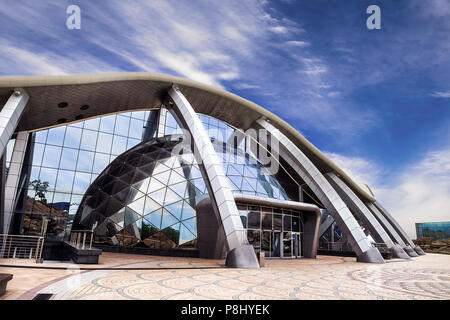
point(88, 140)
point(65, 181)
point(119, 145)
point(92, 124)
point(69, 159)
point(122, 125)
point(52, 156)
point(81, 183)
point(87, 159)
point(107, 123)
point(72, 138)
point(104, 142)
point(56, 136)
point(100, 162)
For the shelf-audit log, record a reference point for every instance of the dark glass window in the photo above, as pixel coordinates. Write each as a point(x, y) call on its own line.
point(267, 221)
point(277, 222)
point(254, 220)
point(287, 225)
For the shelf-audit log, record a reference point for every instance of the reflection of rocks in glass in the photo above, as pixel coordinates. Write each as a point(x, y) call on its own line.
point(54, 212)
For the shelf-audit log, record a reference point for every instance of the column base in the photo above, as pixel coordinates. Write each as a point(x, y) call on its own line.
point(399, 252)
point(370, 256)
point(410, 251)
point(419, 251)
point(242, 257)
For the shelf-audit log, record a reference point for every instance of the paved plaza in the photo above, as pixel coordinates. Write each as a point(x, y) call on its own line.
point(154, 277)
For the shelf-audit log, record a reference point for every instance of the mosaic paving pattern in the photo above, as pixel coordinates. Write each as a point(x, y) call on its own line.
point(426, 277)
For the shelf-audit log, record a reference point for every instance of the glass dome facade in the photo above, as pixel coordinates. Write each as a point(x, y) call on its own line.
point(146, 197)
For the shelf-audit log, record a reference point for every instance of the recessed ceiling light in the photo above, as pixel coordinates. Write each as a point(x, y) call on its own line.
point(62, 120)
point(79, 117)
point(85, 107)
point(63, 104)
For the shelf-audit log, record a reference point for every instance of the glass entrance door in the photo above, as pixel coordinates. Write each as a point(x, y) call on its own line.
point(287, 244)
point(297, 245)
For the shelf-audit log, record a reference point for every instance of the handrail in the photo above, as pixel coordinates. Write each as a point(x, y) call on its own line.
point(18, 246)
point(78, 238)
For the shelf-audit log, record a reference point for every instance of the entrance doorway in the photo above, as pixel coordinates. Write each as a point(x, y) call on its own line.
point(292, 245)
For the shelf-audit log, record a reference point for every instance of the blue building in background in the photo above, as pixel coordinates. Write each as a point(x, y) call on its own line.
point(435, 230)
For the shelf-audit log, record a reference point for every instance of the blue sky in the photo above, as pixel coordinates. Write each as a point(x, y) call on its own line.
point(376, 101)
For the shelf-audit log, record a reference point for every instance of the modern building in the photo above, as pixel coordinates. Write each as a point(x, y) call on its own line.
point(435, 230)
point(163, 165)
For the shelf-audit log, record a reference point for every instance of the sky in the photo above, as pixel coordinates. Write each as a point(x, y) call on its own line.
point(377, 102)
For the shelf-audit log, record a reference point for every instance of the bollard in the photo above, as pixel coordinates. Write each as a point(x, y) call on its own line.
point(261, 259)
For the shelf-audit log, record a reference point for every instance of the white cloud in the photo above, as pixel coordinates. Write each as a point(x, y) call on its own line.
point(441, 94)
point(420, 193)
point(359, 169)
point(298, 43)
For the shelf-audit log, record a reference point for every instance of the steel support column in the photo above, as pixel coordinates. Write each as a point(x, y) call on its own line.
point(239, 252)
point(10, 115)
point(324, 191)
point(399, 229)
point(390, 230)
point(12, 180)
point(364, 214)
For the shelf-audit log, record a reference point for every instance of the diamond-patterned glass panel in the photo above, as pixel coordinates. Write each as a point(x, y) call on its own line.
point(140, 203)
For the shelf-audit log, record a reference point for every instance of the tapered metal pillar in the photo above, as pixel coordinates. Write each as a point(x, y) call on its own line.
point(364, 214)
point(240, 253)
point(324, 191)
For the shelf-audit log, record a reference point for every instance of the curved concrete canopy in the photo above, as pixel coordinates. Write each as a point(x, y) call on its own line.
point(116, 92)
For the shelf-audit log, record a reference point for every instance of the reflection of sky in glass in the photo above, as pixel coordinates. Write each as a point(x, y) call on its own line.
point(70, 157)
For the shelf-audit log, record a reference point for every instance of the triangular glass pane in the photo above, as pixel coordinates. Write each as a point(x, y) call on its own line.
point(252, 182)
point(131, 216)
point(138, 205)
point(150, 205)
point(185, 235)
point(139, 175)
point(159, 167)
point(155, 218)
point(142, 186)
point(246, 186)
point(179, 188)
point(148, 167)
point(158, 196)
point(134, 230)
point(191, 225)
point(188, 211)
point(179, 170)
point(168, 219)
point(250, 172)
point(236, 182)
point(169, 162)
point(195, 173)
point(176, 177)
point(171, 197)
point(162, 177)
point(175, 209)
point(231, 171)
point(154, 185)
point(239, 168)
point(112, 207)
point(199, 184)
point(118, 218)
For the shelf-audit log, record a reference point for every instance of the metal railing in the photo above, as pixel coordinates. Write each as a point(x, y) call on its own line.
point(21, 247)
point(81, 239)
